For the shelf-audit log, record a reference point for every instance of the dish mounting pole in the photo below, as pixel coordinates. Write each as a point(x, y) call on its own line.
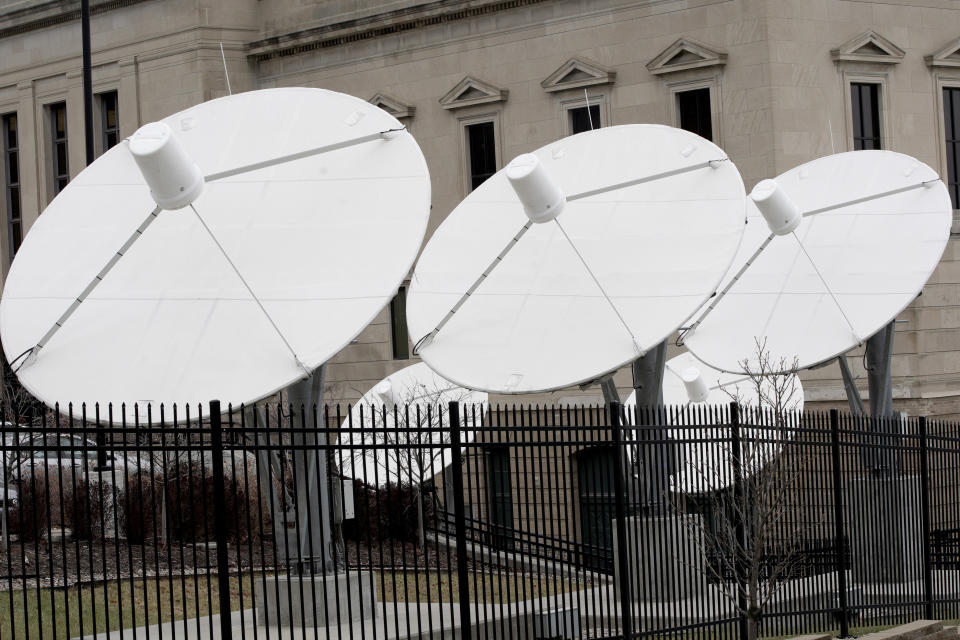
point(850, 387)
point(879, 357)
point(311, 531)
point(655, 460)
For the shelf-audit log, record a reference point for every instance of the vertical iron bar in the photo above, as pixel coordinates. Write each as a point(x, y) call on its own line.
point(459, 517)
point(626, 606)
point(739, 560)
point(220, 521)
point(838, 525)
point(925, 521)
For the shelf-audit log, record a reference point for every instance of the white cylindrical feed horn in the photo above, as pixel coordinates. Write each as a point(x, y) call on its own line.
point(174, 180)
point(387, 396)
point(781, 213)
point(696, 386)
point(541, 197)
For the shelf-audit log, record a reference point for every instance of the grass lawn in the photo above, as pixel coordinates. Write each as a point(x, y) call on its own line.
point(483, 587)
point(70, 613)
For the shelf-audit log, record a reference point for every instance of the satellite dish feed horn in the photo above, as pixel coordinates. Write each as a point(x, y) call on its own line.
point(542, 198)
point(694, 384)
point(778, 209)
point(175, 181)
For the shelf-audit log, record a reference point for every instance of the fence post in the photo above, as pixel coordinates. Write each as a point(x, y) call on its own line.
point(623, 567)
point(736, 460)
point(459, 515)
point(840, 556)
point(925, 522)
point(220, 521)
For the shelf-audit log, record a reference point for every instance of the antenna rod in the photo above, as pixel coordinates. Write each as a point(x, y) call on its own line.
point(827, 287)
point(97, 279)
point(226, 74)
point(229, 173)
point(87, 79)
point(636, 344)
point(876, 196)
point(716, 300)
point(636, 181)
point(233, 266)
point(586, 98)
point(483, 276)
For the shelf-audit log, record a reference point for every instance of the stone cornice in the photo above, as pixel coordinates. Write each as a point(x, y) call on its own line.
point(30, 16)
point(381, 24)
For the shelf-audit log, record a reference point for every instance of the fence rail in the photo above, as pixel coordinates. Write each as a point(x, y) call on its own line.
point(474, 522)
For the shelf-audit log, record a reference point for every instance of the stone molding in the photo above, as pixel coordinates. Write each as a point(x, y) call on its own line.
point(471, 91)
point(948, 56)
point(391, 105)
point(686, 54)
point(869, 46)
point(577, 73)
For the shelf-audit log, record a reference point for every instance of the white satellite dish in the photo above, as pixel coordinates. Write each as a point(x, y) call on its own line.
point(311, 209)
point(834, 250)
point(704, 451)
point(576, 259)
point(413, 398)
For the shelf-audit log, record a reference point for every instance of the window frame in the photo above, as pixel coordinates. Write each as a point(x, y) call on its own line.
point(678, 97)
point(945, 80)
point(103, 131)
point(879, 78)
point(598, 99)
point(857, 108)
point(56, 175)
point(464, 123)
point(497, 464)
point(400, 345)
point(711, 82)
point(9, 185)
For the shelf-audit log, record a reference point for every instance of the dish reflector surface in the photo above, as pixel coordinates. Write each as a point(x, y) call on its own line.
point(704, 460)
point(653, 218)
point(323, 239)
point(419, 454)
point(843, 274)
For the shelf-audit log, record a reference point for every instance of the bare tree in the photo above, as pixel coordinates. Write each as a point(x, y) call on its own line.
point(406, 441)
point(752, 537)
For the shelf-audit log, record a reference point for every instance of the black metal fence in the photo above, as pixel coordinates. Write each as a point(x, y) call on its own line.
point(527, 522)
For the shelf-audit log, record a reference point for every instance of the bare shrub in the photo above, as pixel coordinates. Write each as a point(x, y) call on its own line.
point(388, 512)
point(190, 499)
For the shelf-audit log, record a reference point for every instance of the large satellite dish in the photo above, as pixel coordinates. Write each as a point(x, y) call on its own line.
point(704, 450)
point(413, 399)
point(223, 253)
point(576, 259)
point(834, 250)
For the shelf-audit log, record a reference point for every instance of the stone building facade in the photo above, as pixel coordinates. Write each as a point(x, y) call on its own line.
point(773, 82)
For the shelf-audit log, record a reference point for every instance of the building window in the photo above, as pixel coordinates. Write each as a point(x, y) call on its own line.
point(584, 118)
point(693, 108)
point(595, 478)
point(482, 152)
point(865, 105)
point(398, 325)
point(109, 120)
point(951, 119)
point(58, 139)
point(499, 497)
point(11, 163)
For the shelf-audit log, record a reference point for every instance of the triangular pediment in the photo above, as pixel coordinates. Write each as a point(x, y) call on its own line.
point(869, 46)
point(577, 73)
point(471, 91)
point(949, 56)
point(686, 54)
point(391, 105)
